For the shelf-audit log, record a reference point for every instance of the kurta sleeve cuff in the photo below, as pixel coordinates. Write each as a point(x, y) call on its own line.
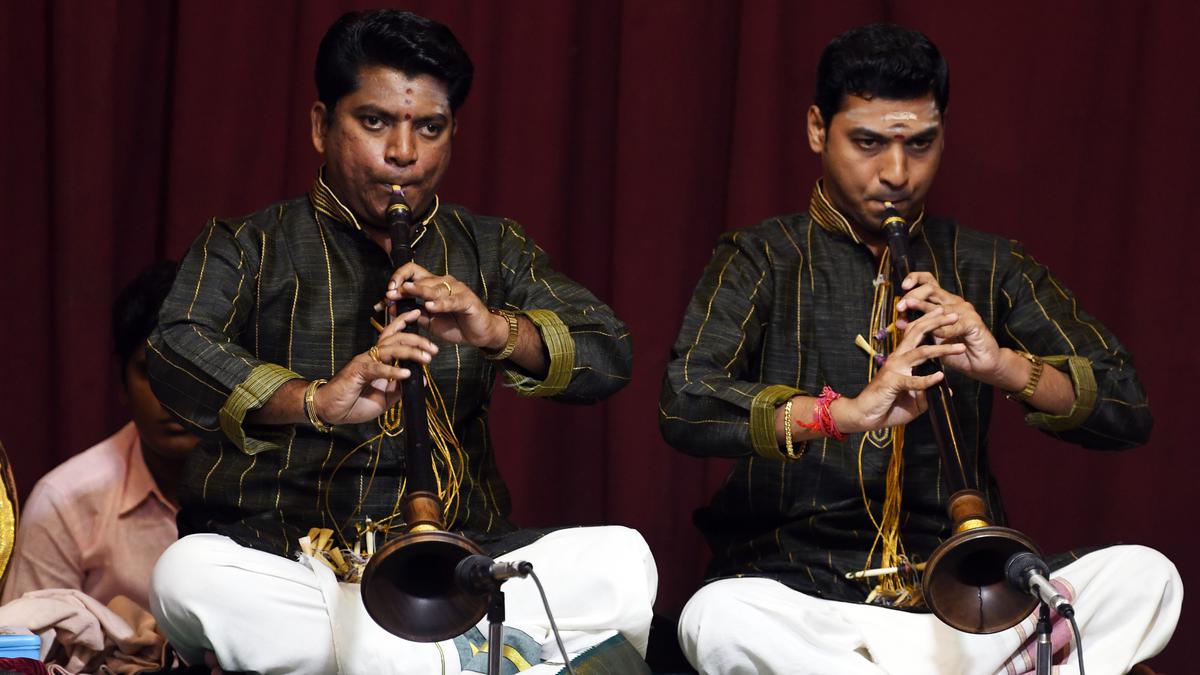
point(561, 348)
point(762, 421)
point(251, 394)
point(1084, 380)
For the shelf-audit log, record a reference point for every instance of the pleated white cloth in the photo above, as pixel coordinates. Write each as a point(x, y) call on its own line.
point(1126, 598)
point(263, 613)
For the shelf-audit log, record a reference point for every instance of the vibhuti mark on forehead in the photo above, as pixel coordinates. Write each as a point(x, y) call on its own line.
point(901, 131)
point(897, 124)
point(897, 116)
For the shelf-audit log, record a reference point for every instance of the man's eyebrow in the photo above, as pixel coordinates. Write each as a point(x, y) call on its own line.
point(372, 109)
point(864, 131)
point(432, 117)
point(927, 135)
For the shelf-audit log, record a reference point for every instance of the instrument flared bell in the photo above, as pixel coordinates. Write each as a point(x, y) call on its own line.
point(964, 584)
point(409, 587)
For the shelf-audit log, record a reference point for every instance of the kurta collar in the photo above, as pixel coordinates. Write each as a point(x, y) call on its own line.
point(326, 202)
point(139, 484)
point(829, 218)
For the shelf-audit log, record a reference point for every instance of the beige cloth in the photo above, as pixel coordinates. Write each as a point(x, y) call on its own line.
point(97, 522)
point(81, 635)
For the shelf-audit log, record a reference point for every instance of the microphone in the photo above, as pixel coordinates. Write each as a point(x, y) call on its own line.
point(1028, 573)
point(479, 574)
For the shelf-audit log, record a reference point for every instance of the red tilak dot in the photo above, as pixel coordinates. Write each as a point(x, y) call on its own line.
point(408, 91)
point(407, 116)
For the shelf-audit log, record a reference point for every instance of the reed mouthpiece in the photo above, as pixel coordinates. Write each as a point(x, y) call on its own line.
point(889, 205)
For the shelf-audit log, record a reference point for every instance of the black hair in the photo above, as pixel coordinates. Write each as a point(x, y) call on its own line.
point(135, 311)
point(404, 41)
point(880, 60)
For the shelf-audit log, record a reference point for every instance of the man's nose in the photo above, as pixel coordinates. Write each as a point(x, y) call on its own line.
point(401, 150)
point(894, 170)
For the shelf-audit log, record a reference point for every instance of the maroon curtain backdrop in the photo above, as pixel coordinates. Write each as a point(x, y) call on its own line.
point(625, 136)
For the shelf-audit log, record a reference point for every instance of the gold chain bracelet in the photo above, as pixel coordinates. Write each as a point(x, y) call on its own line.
point(510, 345)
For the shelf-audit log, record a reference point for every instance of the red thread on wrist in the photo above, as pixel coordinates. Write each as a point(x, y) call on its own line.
point(811, 426)
point(822, 419)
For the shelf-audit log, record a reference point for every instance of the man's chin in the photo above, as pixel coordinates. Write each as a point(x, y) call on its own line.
point(374, 225)
point(869, 218)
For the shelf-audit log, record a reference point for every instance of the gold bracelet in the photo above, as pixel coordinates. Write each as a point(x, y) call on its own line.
point(310, 409)
point(787, 431)
point(511, 344)
point(1035, 376)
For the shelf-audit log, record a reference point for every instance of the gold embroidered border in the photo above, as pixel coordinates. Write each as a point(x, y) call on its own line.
point(762, 421)
point(324, 200)
point(8, 515)
point(258, 387)
point(561, 348)
point(1084, 381)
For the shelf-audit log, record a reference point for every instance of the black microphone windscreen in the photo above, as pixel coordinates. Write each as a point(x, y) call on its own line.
point(1020, 564)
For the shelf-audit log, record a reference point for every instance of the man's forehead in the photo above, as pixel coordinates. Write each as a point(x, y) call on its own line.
point(393, 82)
point(889, 113)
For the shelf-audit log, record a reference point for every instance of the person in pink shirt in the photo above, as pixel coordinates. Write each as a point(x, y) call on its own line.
point(100, 520)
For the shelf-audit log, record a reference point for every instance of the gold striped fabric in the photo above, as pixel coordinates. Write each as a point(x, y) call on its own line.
point(776, 312)
point(289, 292)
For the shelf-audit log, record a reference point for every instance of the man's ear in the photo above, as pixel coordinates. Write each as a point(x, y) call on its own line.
point(816, 130)
point(320, 126)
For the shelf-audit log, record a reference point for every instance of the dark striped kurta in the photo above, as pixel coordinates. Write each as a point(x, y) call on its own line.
point(776, 314)
point(288, 292)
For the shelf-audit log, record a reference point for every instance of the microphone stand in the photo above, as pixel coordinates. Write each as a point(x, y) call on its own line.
point(1044, 648)
point(478, 575)
point(495, 615)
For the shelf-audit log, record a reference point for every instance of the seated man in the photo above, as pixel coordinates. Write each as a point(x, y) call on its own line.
point(100, 520)
point(272, 347)
point(830, 428)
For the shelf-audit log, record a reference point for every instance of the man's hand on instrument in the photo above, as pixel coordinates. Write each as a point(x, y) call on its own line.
point(982, 358)
point(452, 312)
point(369, 384)
point(895, 395)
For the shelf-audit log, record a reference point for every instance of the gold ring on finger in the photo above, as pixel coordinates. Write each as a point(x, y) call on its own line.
point(374, 352)
point(449, 290)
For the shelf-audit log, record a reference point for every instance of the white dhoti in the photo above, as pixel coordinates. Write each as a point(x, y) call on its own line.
point(1126, 599)
point(263, 613)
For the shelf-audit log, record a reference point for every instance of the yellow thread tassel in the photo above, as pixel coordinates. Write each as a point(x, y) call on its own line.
point(449, 451)
point(901, 589)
